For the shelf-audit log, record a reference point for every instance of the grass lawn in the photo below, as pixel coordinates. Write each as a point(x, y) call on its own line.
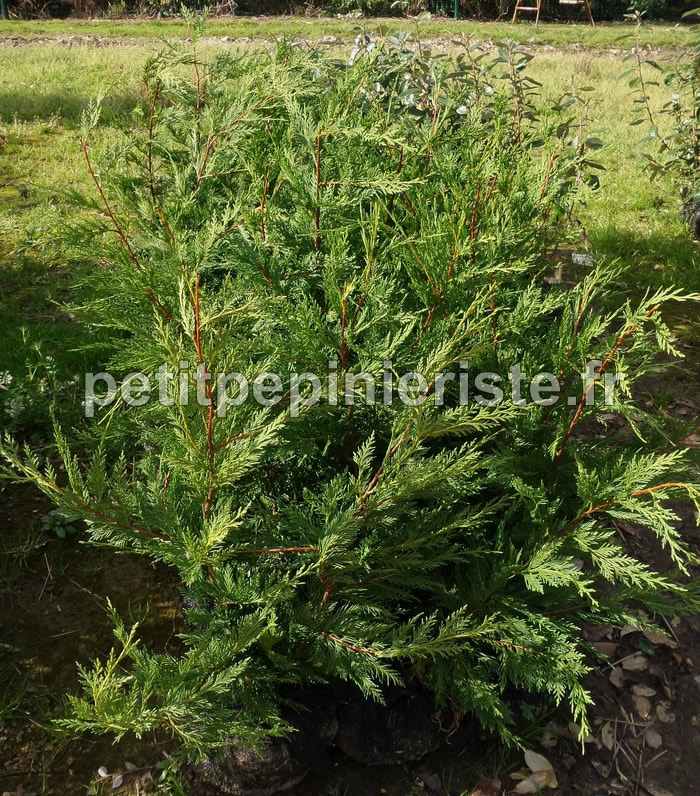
point(44, 89)
point(604, 35)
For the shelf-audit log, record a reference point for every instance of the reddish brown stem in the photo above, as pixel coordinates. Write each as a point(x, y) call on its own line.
point(602, 506)
point(214, 139)
point(587, 388)
point(390, 206)
point(472, 222)
point(108, 209)
point(328, 588)
point(513, 646)
point(473, 229)
point(407, 202)
point(440, 295)
point(151, 116)
point(275, 550)
point(262, 209)
point(122, 236)
point(113, 521)
point(547, 176)
point(380, 469)
point(209, 425)
point(237, 438)
point(343, 346)
point(317, 213)
point(577, 325)
point(568, 610)
point(227, 231)
point(348, 645)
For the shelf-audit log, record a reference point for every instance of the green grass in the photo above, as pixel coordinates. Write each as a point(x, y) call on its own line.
point(604, 35)
point(43, 91)
point(630, 219)
point(47, 88)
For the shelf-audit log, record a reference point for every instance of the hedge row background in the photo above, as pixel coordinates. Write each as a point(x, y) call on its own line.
point(480, 9)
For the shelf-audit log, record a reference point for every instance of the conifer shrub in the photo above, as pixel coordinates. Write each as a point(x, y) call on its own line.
point(286, 212)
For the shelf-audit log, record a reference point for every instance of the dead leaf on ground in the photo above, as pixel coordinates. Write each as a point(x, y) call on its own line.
point(635, 663)
point(537, 762)
point(617, 677)
point(664, 710)
point(627, 629)
point(596, 632)
point(659, 639)
point(607, 735)
point(642, 705)
point(608, 648)
point(643, 690)
point(602, 768)
point(536, 781)
point(548, 740)
point(487, 787)
point(657, 790)
point(653, 739)
point(526, 786)
point(542, 772)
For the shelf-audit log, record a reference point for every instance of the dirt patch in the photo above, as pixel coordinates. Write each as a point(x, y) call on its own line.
point(440, 44)
point(53, 615)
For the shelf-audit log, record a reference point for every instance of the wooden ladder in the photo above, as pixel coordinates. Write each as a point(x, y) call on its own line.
point(520, 6)
point(535, 8)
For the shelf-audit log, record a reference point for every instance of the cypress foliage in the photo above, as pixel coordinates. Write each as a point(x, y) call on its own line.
point(279, 211)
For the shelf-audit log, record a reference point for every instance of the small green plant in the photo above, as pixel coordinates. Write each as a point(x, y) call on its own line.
point(12, 692)
point(29, 392)
point(59, 523)
point(309, 216)
point(675, 127)
point(15, 554)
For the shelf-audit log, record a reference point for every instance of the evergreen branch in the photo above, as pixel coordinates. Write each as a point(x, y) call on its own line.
point(119, 523)
point(108, 209)
point(149, 292)
point(348, 645)
point(380, 470)
point(587, 389)
point(475, 210)
point(239, 437)
point(212, 141)
point(608, 503)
